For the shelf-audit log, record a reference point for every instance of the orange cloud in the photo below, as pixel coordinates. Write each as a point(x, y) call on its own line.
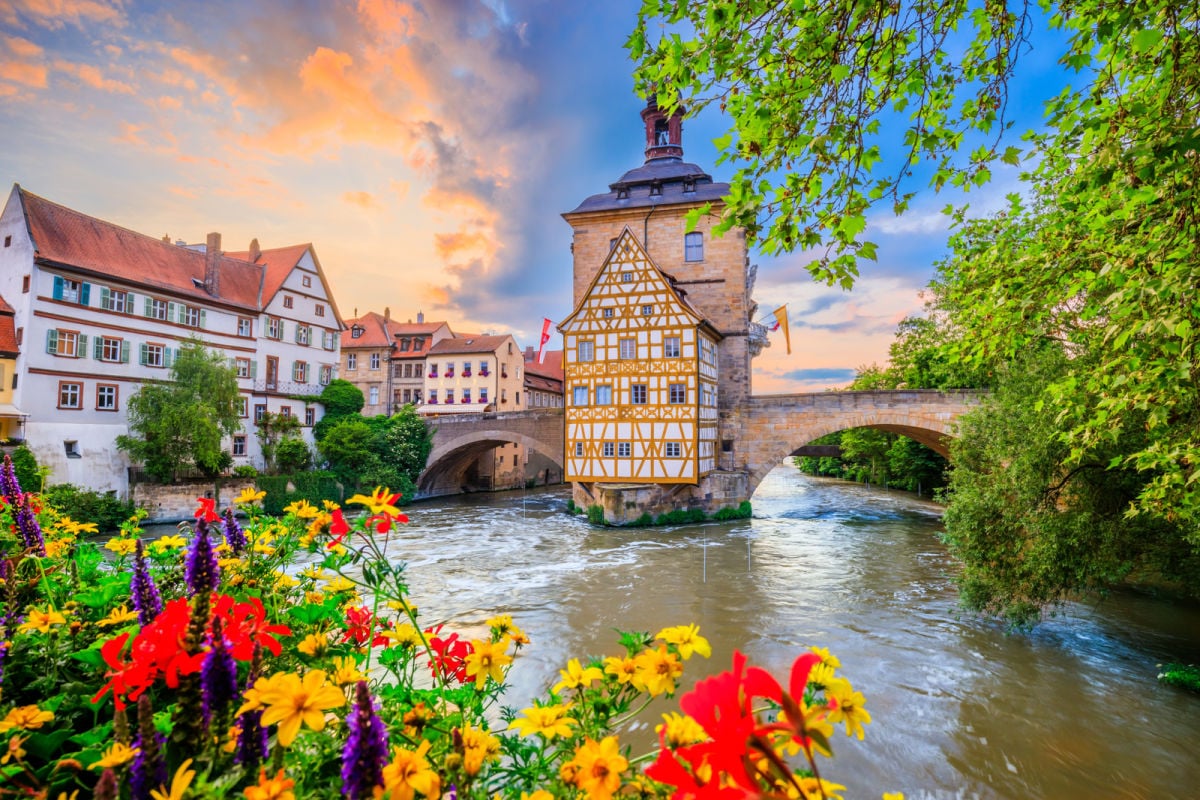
point(54, 14)
point(22, 48)
point(170, 103)
point(360, 199)
point(23, 73)
point(463, 246)
point(89, 75)
point(208, 67)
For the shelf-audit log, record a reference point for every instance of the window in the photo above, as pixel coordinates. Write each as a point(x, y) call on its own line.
point(243, 404)
point(260, 411)
point(157, 309)
point(306, 281)
point(24, 280)
point(483, 394)
point(579, 396)
point(407, 396)
point(449, 395)
point(68, 344)
point(637, 394)
point(609, 449)
point(606, 313)
point(466, 398)
point(326, 375)
point(287, 301)
point(239, 444)
point(153, 355)
point(518, 398)
point(300, 371)
point(626, 277)
point(624, 449)
point(418, 344)
point(285, 412)
point(673, 450)
point(405, 344)
point(70, 291)
point(433, 395)
point(604, 395)
point(72, 448)
point(351, 361)
point(274, 328)
point(69, 395)
point(113, 300)
point(111, 349)
point(374, 360)
point(466, 373)
point(191, 316)
point(303, 334)
point(327, 340)
point(416, 396)
point(628, 348)
point(373, 394)
point(106, 397)
point(647, 310)
point(242, 367)
point(8, 241)
point(579, 448)
point(310, 416)
point(677, 394)
point(586, 350)
point(245, 326)
point(693, 246)
point(671, 347)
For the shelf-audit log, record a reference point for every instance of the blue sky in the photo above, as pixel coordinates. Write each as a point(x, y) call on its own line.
point(426, 149)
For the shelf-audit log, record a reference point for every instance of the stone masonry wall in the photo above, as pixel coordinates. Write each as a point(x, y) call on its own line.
point(177, 501)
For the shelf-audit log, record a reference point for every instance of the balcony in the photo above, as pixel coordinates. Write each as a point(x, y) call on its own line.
point(757, 338)
point(287, 387)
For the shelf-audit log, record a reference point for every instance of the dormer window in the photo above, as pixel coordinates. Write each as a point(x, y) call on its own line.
point(623, 193)
point(689, 184)
point(656, 190)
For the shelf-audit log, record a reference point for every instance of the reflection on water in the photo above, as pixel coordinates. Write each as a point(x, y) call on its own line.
point(960, 708)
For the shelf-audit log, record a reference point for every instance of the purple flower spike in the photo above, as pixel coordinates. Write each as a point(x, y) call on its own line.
point(234, 535)
point(218, 673)
point(149, 770)
point(10, 487)
point(202, 573)
point(366, 749)
point(27, 524)
point(146, 598)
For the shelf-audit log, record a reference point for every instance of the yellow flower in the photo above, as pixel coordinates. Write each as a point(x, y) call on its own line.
point(487, 658)
point(346, 671)
point(166, 543)
point(14, 749)
point(277, 788)
point(549, 721)
point(893, 796)
point(75, 528)
point(315, 598)
point(818, 789)
point(291, 701)
point(657, 671)
point(313, 572)
point(330, 506)
point(540, 794)
point(248, 496)
point(826, 656)
point(409, 773)
point(41, 621)
point(380, 501)
point(501, 623)
point(478, 747)
point(821, 675)
point(116, 755)
point(576, 676)
point(687, 639)
point(403, 636)
point(121, 547)
point(58, 547)
point(179, 784)
point(118, 616)
point(285, 581)
point(849, 707)
point(339, 584)
point(315, 645)
point(622, 667)
point(680, 730)
point(302, 509)
point(27, 718)
point(598, 768)
point(403, 607)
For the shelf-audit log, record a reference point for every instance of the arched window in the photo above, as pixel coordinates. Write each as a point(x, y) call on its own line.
point(693, 246)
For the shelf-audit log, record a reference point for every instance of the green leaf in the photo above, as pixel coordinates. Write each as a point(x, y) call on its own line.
point(1146, 40)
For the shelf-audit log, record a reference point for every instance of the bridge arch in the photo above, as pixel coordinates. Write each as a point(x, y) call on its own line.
point(776, 426)
point(459, 441)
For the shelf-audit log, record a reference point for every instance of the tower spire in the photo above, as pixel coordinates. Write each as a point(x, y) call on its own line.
point(664, 135)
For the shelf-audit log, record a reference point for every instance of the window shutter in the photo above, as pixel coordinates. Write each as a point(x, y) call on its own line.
point(171, 313)
point(168, 357)
point(144, 354)
point(84, 293)
point(81, 348)
point(202, 318)
point(149, 310)
point(105, 297)
point(305, 374)
point(298, 329)
point(129, 302)
point(254, 368)
point(52, 339)
point(98, 348)
point(124, 352)
point(58, 287)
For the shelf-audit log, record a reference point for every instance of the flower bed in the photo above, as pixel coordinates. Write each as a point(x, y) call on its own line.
point(282, 658)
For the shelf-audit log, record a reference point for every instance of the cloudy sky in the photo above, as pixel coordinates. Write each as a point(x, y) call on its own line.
point(426, 149)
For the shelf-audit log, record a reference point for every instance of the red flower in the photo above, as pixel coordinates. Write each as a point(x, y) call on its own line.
point(449, 659)
point(207, 509)
point(246, 626)
point(359, 623)
point(127, 679)
point(158, 649)
point(339, 528)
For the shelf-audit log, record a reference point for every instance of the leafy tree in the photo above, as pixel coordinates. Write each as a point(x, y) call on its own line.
point(179, 423)
point(346, 447)
point(273, 430)
point(406, 443)
point(293, 455)
point(341, 399)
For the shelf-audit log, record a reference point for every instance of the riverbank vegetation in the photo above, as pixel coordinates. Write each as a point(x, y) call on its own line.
point(285, 657)
point(1074, 304)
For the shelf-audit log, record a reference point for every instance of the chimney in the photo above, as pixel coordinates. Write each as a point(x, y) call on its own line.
point(529, 354)
point(255, 251)
point(387, 314)
point(166, 238)
point(212, 260)
point(420, 317)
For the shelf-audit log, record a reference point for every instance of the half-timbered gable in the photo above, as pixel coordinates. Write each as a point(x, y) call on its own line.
point(640, 375)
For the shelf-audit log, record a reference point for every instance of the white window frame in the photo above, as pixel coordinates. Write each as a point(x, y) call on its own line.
point(585, 351)
point(579, 395)
point(627, 348)
point(671, 347)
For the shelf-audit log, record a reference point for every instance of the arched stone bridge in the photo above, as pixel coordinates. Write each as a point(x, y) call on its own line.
point(767, 429)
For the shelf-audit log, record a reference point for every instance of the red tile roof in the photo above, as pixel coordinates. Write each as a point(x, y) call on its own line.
point(473, 344)
point(278, 264)
point(64, 237)
point(8, 331)
point(551, 367)
point(5, 308)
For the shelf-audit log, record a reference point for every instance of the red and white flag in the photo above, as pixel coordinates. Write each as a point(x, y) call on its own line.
point(545, 338)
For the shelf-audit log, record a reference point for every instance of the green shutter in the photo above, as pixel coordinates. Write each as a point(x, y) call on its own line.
point(105, 298)
point(58, 287)
point(98, 348)
point(52, 338)
point(84, 293)
point(254, 368)
point(129, 302)
point(81, 348)
point(144, 354)
point(168, 357)
point(149, 312)
point(124, 352)
point(171, 314)
point(202, 318)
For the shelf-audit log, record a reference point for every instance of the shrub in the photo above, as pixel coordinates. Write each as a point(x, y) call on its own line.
point(730, 513)
point(572, 509)
point(595, 514)
point(293, 455)
point(644, 521)
point(25, 467)
point(1185, 676)
point(245, 471)
point(695, 515)
point(85, 505)
point(313, 486)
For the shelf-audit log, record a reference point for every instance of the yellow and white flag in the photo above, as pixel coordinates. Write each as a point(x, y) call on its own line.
point(781, 322)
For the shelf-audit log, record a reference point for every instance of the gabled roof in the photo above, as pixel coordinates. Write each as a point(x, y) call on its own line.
point(376, 332)
point(551, 366)
point(8, 331)
point(278, 263)
point(476, 344)
point(67, 238)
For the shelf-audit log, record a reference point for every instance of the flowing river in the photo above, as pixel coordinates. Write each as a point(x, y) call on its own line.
point(959, 707)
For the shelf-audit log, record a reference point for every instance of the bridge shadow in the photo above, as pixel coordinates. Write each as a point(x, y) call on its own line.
point(460, 441)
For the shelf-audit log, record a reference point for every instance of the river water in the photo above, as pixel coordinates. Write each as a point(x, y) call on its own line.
point(960, 708)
